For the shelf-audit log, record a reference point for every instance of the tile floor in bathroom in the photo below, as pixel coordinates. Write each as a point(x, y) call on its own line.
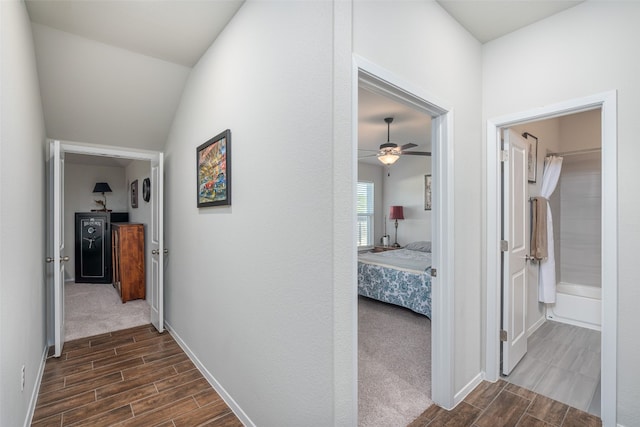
point(562, 363)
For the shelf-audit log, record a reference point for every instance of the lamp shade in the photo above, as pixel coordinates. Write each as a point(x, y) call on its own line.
point(395, 212)
point(102, 187)
point(388, 158)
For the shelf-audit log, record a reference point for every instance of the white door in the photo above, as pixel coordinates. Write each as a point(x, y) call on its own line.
point(514, 273)
point(157, 244)
point(55, 249)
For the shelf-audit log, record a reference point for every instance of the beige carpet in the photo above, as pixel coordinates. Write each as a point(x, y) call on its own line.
point(394, 364)
point(95, 308)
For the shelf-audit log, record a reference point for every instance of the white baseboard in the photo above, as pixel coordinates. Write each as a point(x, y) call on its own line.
point(464, 392)
point(36, 389)
point(536, 325)
point(242, 416)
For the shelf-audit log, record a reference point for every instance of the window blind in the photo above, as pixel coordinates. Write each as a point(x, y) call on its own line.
point(365, 214)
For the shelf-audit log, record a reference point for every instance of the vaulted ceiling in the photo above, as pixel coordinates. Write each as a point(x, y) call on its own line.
point(112, 71)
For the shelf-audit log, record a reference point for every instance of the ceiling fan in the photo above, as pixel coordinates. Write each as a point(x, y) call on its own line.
point(389, 152)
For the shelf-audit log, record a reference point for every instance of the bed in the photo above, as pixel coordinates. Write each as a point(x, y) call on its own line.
point(401, 277)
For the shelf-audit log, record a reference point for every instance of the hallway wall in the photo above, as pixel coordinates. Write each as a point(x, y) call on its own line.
point(22, 216)
point(249, 286)
point(530, 68)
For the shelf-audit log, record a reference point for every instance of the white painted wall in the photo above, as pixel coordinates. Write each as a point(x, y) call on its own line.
point(404, 186)
point(79, 181)
point(140, 170)
point(22, 214)
point(580, 131)
point(371, 173)
point(249, 287)
point(75, 71)
point(581, 51)
point(424, 45)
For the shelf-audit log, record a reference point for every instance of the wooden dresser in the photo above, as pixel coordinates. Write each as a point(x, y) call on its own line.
point(127, 243)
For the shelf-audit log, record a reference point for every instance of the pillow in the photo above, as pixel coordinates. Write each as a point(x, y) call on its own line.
point(422, 246)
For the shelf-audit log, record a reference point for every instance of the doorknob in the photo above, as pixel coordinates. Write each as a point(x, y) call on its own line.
point(154, 252)
point(63, 259)
point(166, 251)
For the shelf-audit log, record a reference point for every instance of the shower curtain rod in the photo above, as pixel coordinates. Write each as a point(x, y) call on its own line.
point(575, 152)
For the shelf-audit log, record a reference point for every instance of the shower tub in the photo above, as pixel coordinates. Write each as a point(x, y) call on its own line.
point(578, 305)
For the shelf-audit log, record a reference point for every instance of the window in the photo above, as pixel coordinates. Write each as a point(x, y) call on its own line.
point(365, 214)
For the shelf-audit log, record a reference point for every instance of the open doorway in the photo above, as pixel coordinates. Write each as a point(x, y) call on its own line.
point(606, 104)
point(149, 242)
point(394, 328)
point(561, 359)
point(96, 306)
point(381, 82)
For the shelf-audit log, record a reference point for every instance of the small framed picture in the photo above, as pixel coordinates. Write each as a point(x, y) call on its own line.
point(532, 161)
point(213, 166)
point(134, 194)
point(427, 192)
point(146, 189)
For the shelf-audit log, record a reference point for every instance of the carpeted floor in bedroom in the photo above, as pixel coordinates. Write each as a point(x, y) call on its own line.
point(394, 364)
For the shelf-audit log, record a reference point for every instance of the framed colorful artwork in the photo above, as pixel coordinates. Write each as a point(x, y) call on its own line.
point(213, 171)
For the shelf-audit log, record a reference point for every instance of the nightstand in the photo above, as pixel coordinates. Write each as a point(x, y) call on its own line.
point(385, 248)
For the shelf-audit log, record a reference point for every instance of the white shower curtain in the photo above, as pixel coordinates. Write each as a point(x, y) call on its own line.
point(547, 278)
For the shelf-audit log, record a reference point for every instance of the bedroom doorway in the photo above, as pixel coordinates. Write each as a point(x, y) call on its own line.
point(603, 105)
point(375, 81)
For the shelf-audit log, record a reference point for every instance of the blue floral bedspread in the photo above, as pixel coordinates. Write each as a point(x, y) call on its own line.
point(404, 287)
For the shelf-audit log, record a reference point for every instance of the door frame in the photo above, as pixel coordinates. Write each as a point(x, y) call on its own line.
point(383, 82)
point(607, 102)
point(95, 150)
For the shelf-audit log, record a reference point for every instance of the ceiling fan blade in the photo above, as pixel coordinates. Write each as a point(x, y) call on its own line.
point(367, 155)
point(364, 149)
point(416, 153)
point(407, 146)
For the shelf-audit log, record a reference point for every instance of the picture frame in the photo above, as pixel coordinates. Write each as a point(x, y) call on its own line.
point(146, 189)
point(427, 192)
point(134, 194)
point(532, 160)
point(213, 171)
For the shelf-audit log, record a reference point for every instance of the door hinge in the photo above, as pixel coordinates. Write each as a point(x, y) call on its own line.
point(504, 156)
point(504, 246)
point(503, 335)
point(434, 272)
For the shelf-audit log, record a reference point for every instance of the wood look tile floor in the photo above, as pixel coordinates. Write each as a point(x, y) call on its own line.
point(133, 377)
point(502, 404)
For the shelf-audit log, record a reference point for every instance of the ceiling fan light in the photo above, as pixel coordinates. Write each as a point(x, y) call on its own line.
point(388, 158)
